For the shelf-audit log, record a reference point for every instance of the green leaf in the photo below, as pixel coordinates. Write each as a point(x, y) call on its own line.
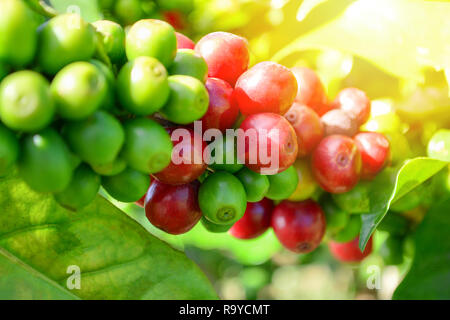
point(392, 184)
point(429, 276)
point(88, 9)
point(398, 36)
point(439, 145)
point(118, 259)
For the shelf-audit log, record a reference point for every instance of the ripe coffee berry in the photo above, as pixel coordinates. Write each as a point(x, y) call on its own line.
point(226, 54)
point(184, 42)
point(173, 209)
point(336, 164)
point(375, 151)
point(300, 226)
point(266, 87)
point(188, 149)
point(310, 90)
point(349, 251)
point(339, 122)
point(270, 143)
point(307, 126)
point(255, 222)
point(222, 111)
point(354, 102)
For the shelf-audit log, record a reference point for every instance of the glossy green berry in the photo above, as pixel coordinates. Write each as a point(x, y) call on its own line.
point(188, 100)
point(113, 37)
point(26, 103)
point(18, 33)
point(112, 168)
point(9, 150)
point(283, 184)
point(187, 62)
point(356, 200)
point(45, 163)
point(79, 89)
point(148, 147)
point(350, 231)
point(215, 228)
point(143, 87)
point(222, 198)
point(128, 186)
point(128, 11)
point(255, 184)
point(65, 39)
point(109, 103)
point(82, 189)
point(97, 140)
point(152, 38)
point(336, 218)
point(224, 156)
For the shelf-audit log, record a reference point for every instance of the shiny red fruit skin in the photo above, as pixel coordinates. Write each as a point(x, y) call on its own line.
point(266, 87)
point(226, 54)
point(173, 209)
point(184, 42)
point(375, 152)
point(355, 102)
point(182, 173)
point(307, 126)
point(222, 111)
point(349, 251)
point(286, 144)
point(336, 164)
point(311, 91)
point(141, 201)
point(255, 221)
point(300, 226)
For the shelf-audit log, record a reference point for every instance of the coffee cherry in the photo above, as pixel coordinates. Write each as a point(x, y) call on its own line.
point(45, 162)
point(375, 152)
point(215, 228)
point(349, 231)
point(187, 62)
point(354, 102)
point(222, 111)
point(97, 140)
point(127, 186)
point(300, 226)
point(184, 42)
point(266, 87)
point(225, 155)
point(311, 91)
point(255, 222)
point(110, 169)
point(143, 86)
point(356, 200)
point(113, 37)
point(109, 102)
point(349, 251)
point(79, 89)
point(188, 100)
point(26, 103)
point(307, 126)
point(81, 191)
point(270, 143)
point(9, 150)
point(226, 54)
point(65, 39)
point(173, 209)
point(283, 184)
point(222, 198)
point(256, 185)
point(307, 184)
point(187, 163)
point(336, 164)
point(18, 36)
point(152, 38)
point(128, 11)
point(339, 122)
point(148, 147)
point(336, 218)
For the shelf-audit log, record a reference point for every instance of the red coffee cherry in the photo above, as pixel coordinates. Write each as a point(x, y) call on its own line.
point(354, 102)
point(339, 122)
point(307, 126)
point(255, 221)
point(226, 54)
point(141, 201)
point(311, 91)
point(222, 111)
point(349, 251)
point(336, 164)
point(184, 42)
point(375, 152)
point(300, 226)
point(263, 133)
point(266, 87)
point(188, 149)
point(173, 209)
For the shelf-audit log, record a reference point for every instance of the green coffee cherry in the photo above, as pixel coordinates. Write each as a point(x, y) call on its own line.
point(128, 186)
point(336, 218)
point(110, 169)
point(283, 184)
point(113, 37)
point(215, 228)
point(255, 184)
point(350, 231)
point(9, 150)
point(225, 156)
point(356, 200)
point(188, 62)
point(109, 103)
